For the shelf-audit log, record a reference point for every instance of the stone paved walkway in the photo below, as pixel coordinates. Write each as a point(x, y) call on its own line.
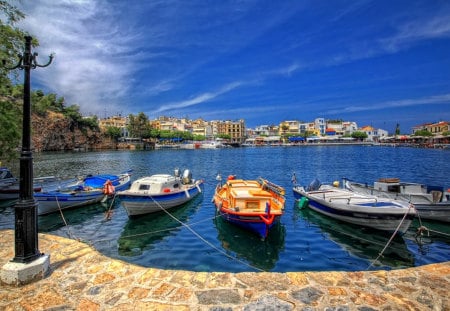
point(80, 278)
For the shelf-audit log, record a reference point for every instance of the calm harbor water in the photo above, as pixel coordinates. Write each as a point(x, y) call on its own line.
point(195, 239)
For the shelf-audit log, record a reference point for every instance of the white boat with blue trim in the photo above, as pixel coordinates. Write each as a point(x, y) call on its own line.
point(356, 208)
point(89, 190)
point(431, 202)
point(159, 192)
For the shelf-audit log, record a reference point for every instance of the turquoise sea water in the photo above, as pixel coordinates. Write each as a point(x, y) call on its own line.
point(195, 239)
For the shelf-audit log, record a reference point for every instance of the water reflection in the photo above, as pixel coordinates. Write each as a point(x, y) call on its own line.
point(241, 244)
point(361, 242)
point(7, 214)
point(428, 237)
point(72, 217)
point(140, 234)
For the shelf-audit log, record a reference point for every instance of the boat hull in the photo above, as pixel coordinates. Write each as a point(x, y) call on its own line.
point(248, 222)
point(54, 201)
point(380, 215)
point(430, 211)
point(137, 204)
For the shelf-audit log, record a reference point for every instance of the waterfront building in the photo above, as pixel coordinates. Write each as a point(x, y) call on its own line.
point(115, 121)
point(341, 128)
point(235, 129)
point(434, 128)
point(320, 124)
point(266, 130)
point(374, 134)
point(199, 127)
point(288, 128)
point(164, 123)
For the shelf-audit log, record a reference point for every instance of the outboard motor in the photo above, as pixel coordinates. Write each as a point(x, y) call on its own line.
point(187, 177)
point(176, 172)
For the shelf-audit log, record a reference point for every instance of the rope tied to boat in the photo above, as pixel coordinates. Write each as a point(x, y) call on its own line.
point(392, 237)
point(203, 239)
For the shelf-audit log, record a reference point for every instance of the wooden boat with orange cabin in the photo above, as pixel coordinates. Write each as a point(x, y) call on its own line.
point(255, 205)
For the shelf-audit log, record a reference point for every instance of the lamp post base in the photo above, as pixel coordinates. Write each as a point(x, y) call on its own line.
point(14, 273)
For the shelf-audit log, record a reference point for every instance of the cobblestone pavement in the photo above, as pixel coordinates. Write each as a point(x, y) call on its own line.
point(80, 278)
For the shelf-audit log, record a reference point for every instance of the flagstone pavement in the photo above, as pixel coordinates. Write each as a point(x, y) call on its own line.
point(80, 278)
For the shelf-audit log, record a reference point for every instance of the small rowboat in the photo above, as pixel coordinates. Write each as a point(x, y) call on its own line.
point(89, 190)
point(255, 205)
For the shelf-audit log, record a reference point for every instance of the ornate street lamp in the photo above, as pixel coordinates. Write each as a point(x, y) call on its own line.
point(26, 224)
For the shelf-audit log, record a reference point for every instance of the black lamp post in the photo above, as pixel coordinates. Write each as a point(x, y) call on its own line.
point(26, 224)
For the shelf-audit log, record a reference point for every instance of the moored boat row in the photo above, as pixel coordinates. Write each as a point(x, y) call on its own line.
point(255, 205)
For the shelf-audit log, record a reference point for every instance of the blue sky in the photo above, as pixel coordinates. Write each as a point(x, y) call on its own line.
point(374, 62)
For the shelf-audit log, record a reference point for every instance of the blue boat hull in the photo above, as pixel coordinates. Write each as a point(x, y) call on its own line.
point(54, 201)
point(251, 223)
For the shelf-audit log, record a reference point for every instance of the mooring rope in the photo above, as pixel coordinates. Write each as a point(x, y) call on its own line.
point(109, 212)
point(391, 238)
point(204, 240)
point(64, 220)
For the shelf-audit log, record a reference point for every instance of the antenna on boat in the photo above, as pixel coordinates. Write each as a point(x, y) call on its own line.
point(219, 178)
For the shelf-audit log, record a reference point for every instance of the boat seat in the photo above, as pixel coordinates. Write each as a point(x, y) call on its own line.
point(437, 196)
point(259, 192)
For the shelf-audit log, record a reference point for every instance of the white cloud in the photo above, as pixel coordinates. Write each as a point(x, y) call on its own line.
point(419, 29)
point(91, 67)
point(200, 98)
point(443, 99)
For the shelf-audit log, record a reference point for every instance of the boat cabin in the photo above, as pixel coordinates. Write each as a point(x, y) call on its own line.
point(247, 195)
point(394, 185)
point(156, 184)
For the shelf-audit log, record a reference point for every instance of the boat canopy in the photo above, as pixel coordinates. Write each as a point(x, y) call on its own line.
point(296, 139)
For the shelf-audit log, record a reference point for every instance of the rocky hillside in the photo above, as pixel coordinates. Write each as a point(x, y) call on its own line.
point(55, 132)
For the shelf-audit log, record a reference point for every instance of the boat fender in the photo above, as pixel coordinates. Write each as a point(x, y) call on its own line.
point(303, 203)
point(187, 193)
point(231, 177)
point(108, 188)
point(166, 190)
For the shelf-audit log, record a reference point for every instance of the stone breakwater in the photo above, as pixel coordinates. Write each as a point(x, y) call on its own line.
point(80, 278)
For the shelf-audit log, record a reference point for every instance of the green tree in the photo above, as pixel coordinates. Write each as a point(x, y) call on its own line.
point(11, 44)
point(113, 132)
point(423, 133)
point(90, 122)
point(41, 103)
point(359, 135)
point(199, 137)
point(9, 128)
point(139, 126)
point(397, 129)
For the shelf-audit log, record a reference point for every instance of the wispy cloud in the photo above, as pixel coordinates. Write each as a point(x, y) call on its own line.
point(443, 99)
point(210, 96)
point(199, 99)
point(415, 31)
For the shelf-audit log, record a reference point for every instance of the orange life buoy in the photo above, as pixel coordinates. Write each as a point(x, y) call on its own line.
point(108, 188)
